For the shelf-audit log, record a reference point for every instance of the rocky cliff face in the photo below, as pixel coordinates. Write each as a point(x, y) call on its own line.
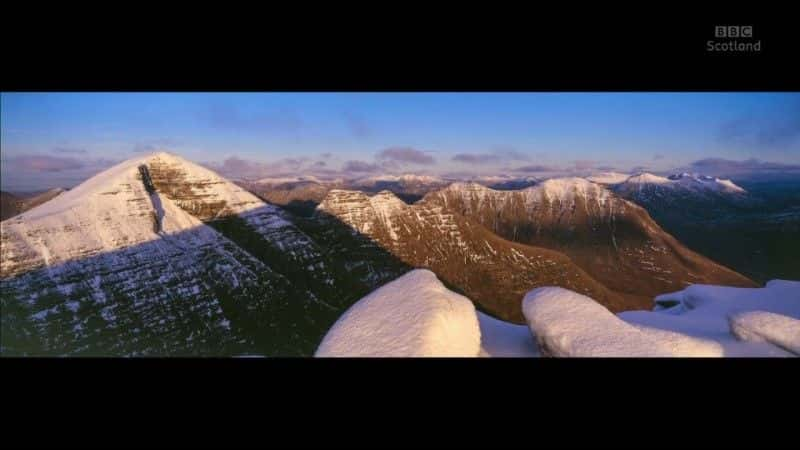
point(488, 269)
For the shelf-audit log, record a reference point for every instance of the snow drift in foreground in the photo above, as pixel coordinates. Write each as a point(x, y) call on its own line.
point(566, 323)
point(728, 316)
point(414, 315)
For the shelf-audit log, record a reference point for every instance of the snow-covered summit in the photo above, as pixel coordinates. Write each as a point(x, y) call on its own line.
point(109, 211)
point(647, 178)
point(181, 179)
point(561, 189)
point(565, 189)
point(116, 209)
point(688, 181)
point(404, 178)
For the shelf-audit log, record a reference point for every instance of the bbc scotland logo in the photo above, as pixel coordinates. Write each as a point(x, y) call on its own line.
point(733, 38)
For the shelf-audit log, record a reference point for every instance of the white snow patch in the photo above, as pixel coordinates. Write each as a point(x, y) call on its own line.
point(414, 315)
point(566, 323)
point(721, 314)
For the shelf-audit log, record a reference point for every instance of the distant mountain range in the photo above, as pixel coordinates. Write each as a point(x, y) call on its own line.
point(752, 228)
point(160, 256)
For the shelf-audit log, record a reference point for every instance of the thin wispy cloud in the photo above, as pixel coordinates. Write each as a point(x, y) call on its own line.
point(405, 155)
point(69, 150)
point(535, 168)
point(361, 167)
point(509, 153)
point(584, 164)
point(475, 158)
point(498, 154)
point(154, 145)
point(728, 167)
point(42, 171)
point(759, 131)
point(357, 125)
point(43, 163)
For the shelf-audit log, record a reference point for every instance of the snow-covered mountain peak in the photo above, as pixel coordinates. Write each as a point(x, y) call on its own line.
point(685, 180)
point(407, 178)
point(647, 178)
point(110, 211)
point(107, 182)
point(565, 189)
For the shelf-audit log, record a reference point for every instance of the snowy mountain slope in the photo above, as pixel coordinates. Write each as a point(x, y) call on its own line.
point(490, 270)
point(109, 256)
point(110, 211)
point(414, 315)
point(185, 263)
point(613, 240)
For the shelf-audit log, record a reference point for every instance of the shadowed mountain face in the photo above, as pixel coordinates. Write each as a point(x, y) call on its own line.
point(613, 240)
point(492, 271)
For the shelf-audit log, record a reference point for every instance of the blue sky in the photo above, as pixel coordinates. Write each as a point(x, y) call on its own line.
point(58, 139)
